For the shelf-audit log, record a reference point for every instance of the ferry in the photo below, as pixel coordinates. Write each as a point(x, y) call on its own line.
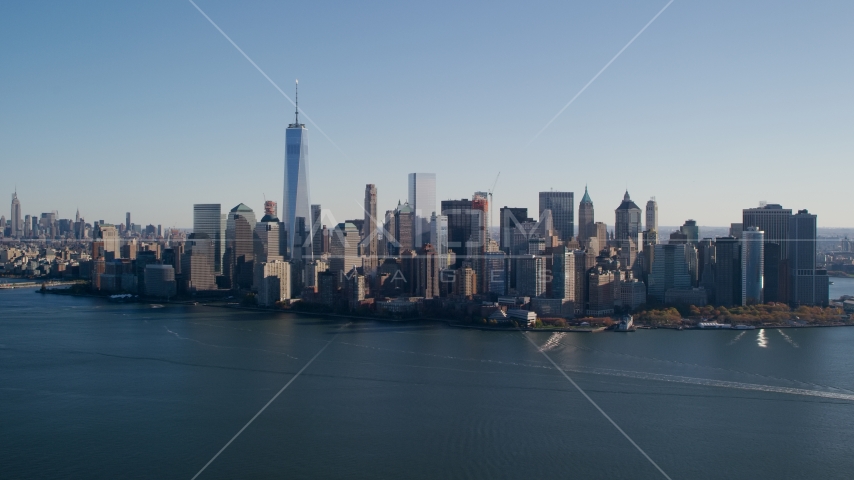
point(627, 324)
point(744, 327)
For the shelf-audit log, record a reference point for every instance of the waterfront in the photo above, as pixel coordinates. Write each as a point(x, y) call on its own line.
point(93, 389)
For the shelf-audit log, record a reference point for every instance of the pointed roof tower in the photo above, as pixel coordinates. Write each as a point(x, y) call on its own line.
point(586, 197)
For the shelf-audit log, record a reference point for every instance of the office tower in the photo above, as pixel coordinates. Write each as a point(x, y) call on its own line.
point(207, 219)
point(628, 219)
point(808, 285)
point(586, 219)
point(652, 214)
point(160, 281)
point(272, 282)
point(316, 233)
point(422, 199)
point(459, 213)
point(728, 271)
point(28, 228)
point(705, 266)
point(531, 275)
point(439, 237)
point(197, 263)
point(127, 221)
point(670, 269)
point(267, 236)
point(343, 250)
point(296, 206)
point(601, 236)
point(17, 229)
point(735, 230)
point(239, 247)
point(465, 281)
point(772, 219)
point(370, 226)
point(752, 266)
point(389, 242)
point(496, 271)
point(562, 205)
point(569, 276)
point(404, 226)
point(432, 266)
point(691, 231)
point(511, 220)
point(109, 237)
point(600, 293)
point(479, 240)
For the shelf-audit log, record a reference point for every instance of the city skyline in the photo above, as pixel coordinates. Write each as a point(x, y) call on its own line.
point(667, 104)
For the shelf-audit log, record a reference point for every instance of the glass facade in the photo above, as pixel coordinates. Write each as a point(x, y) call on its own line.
point(207, 220)
point(422, 198)
point(296, 208)
point(752, 266)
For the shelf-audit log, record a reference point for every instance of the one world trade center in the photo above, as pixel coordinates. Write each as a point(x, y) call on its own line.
point(297, 206)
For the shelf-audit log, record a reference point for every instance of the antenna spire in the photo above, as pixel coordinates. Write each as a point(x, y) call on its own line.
point(296, 104)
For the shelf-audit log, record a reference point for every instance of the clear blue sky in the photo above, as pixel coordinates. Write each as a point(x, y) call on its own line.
point(145, 107)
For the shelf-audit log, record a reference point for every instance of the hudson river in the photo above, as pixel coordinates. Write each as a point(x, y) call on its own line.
point(91, 389)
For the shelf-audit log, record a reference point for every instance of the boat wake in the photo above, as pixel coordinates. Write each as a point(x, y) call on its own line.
point(707, 382)
point(553, 342)
point(788, 339)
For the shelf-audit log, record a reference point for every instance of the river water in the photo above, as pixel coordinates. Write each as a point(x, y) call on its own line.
point(92, 389)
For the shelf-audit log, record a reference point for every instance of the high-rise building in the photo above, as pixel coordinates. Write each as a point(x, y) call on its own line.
point(343, 250)
point(297, 204)
point(479, 241)
point(511, 218)
point(404, 226)
point(197, 263)
point(728, 271)
point(459, 213)
point(531, 275)
point(628, 219)
point(207, 219)
point(239, 247)
point(652, 214)
point(772, 219)
point(439, 237)
point(316, 232)
point(17, 227)
point(272, 282)
point(562, 205)
point(267, 236)
point(569, 276)
point(422, 199)
point(808, 285)
point(670, 269)
point(371, 242)
point(691, 231)
point(752, 266)
point(601, 236)
point(586, 219)
point(127, 221)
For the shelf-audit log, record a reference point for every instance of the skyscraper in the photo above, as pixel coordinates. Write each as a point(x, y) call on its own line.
point(691, 230)
point(563, 212)
point(652, 214)
point(422, 199)
point(296, 205)
point(808, 286)
point(752, 266)
point(586, 221)
point(511, 218)
point(439, 237)
point(17, 223)
point(343, 250)
point(370, 226)
point(239, 247)
point(772, 219)
point(459, 213)
point(127, 221)
point(670, 269)
point(404, 226)
point(479, 238)
point(316, 232)
point(728, 271)
point(628, 219)
point(207, 219)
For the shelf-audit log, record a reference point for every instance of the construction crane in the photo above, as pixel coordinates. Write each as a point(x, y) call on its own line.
point(491, 207)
